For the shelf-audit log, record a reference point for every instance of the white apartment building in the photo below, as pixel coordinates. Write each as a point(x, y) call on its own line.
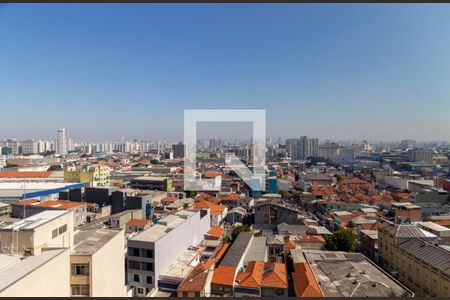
point(62, 142)
point(30, 147)
point(152, 251)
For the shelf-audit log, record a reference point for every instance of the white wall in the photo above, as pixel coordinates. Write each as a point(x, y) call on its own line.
point(173, 244)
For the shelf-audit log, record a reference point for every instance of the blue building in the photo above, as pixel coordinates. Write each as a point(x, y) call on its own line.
point(272, 185)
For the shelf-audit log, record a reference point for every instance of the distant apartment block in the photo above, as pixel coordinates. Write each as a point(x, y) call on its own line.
point(154, 183)
point(95, 175)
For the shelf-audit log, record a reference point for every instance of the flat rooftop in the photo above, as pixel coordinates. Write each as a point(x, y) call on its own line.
point(257, 250)
point(163, 226)
point(181, 268)
point(150, 178)
point(87, 242)
point(36, 220)
point(14, 271)
point(237, 249)
point(342, 274)
point(433, 226)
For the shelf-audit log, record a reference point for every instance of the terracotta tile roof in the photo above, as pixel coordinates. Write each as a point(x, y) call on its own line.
point(216, 232)
point(207, 197)
point(231, 197)
point(445, 223)
point(59, 204)
point(212, 174)
point(168, 200)
point(221, 253)
point(276, 277)
point(138, 222)
point(217, 209)
point(289, 244)
point(203, 204)
point(305, 283)
point(310, 238)
point(252, 277)
point(267, 274)
point(224, 275)
point(353, 180)
point(25, 174)
point(196, 280)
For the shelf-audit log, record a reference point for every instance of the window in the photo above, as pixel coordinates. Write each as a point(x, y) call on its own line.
point(133, 251)
point(149, 280)
point(197, 294)
point(148, 253)
point(54, 233)
point(132, 264)
point(140, 290)
point(80, 290)
point(136, 279)
point(279, 292)
point(185, 294)
point(80, 269)
point(148, 267)
point(63, 229)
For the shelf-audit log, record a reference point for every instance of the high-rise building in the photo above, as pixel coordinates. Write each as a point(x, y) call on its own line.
point(62, 142)
point(30, 147)
point(178, 150)
point(329, 151)
point(313, 148)
point(14, 145)
point(293, 148)
point(423, 155)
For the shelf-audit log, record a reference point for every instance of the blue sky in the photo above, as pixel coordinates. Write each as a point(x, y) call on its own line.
point(103, 71)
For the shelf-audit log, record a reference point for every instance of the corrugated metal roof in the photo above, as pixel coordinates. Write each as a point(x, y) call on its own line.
point(234, 255)
point(429, 253)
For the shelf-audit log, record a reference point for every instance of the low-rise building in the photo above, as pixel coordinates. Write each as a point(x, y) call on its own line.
point(96, 174)
point(342, 274)
point(32, 235)
point(411, 255)
point(154, 183)
point(152, 251)
point(42, 275)
point(97, 264)
point(440, 231)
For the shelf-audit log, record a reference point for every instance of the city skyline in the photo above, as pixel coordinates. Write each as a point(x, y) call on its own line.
point(377, 73)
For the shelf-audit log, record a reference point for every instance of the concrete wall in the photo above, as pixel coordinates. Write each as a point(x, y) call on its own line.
point(173, 244)
point(41, 237)
point(108, 269)
point(52, 279)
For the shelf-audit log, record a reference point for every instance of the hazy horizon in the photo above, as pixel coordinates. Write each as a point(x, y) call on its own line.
point(341, 72)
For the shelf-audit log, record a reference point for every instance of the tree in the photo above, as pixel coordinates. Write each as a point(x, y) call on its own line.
point(55, 168)
point(191, 194)
point(341, 240)
point(226, 239)
point(239, 229)
point(331, 163)
point(297, 196)
point(11, 166)
point(405, 167)
point(284, 194)
point(154, 161)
